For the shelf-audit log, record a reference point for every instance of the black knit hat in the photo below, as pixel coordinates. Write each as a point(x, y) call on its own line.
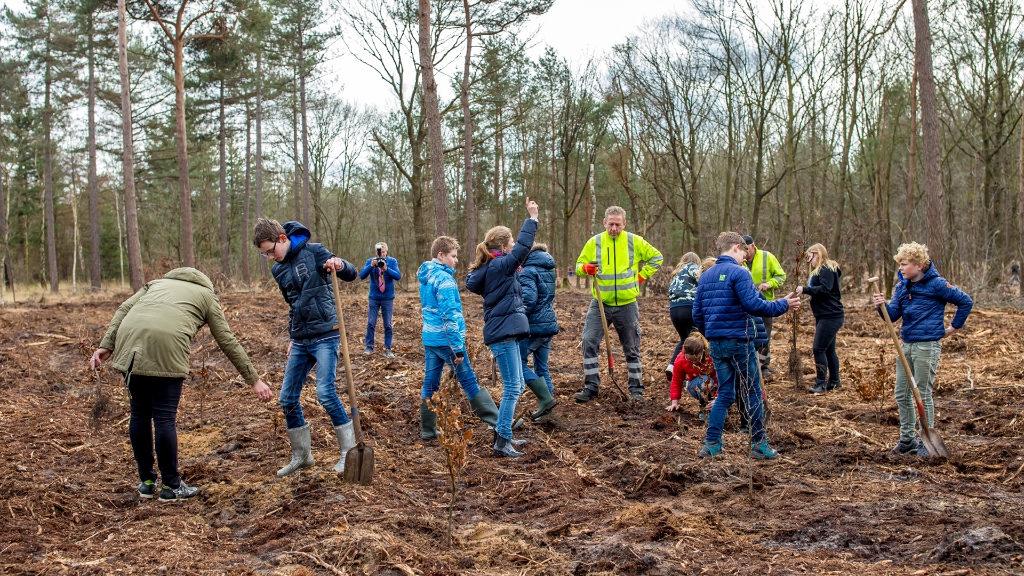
point(749, 240)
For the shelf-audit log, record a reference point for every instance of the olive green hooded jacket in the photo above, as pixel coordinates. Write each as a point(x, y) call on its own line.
point(151, 332)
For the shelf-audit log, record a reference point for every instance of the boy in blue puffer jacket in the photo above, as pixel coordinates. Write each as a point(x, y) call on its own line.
point(538, 280)
point(920, 299)
point(725, 301)
point(302, 271)
point(444, 336)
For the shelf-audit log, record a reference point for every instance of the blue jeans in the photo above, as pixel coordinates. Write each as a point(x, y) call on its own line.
point(323, 353)
point(386, 308)
point(540, 347)
point(695, 388)
point(736, 365)
point(436, 357)
point(506, 354)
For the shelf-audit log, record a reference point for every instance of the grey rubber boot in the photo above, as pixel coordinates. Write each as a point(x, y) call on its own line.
point(302, 455)
point(546, 402)
point(346, 435)
point(428, 422)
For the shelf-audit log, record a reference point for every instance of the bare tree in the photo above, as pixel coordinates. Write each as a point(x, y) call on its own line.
point(433, 113)
point(935, 232)
point(131, 211)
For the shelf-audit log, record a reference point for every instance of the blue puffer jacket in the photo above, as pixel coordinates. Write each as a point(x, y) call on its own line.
point(761, 339)
point(538, 281)
point(922, 306)
point(498, 282)
point(726, 299)
point(391, 273)
point(306, 286)
point(441, 306)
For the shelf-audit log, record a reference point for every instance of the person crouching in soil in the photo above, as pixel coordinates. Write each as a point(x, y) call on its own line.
point(149, 342)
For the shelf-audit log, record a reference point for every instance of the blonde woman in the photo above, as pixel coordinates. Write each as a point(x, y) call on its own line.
point(827, 307)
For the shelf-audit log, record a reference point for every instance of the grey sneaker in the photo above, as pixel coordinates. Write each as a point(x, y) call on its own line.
point(762, 451)
point(710, 450)
point(182, 492)
point(368, 351)
point(388, 353)
point(147, 489)
point(905, 446)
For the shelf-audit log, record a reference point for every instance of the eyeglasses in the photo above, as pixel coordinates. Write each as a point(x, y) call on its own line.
point(269, 252)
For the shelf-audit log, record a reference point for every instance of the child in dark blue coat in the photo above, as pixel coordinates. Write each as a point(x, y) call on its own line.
point(920, 299)
point(538, 280)
point(495, 276)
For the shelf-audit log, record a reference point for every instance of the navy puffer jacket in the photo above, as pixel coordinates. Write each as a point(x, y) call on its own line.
point(538, 281)
point(498, 282)
point(306, 286)
point(725, 301)
point(922, 306)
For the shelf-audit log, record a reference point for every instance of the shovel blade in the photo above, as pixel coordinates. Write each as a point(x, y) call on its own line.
point(359, 465)
point(933, 443)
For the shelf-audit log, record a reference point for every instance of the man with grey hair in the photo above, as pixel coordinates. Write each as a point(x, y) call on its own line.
point(613, 258)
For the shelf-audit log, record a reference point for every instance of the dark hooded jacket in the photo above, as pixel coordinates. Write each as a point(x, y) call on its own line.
point(538, 280)
point(306, 286)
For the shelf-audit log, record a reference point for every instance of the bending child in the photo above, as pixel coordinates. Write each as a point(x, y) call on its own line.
point(695, 367)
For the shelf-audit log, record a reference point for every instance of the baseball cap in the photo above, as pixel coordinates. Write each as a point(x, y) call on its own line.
point(749, 240)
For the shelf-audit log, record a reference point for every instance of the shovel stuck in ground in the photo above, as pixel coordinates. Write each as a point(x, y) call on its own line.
point(359, 460)
point(929, 436)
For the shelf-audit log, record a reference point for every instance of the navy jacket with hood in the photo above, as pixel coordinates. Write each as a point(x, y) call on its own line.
point(725, 301)
point(538, 281)
point(306, 286)
point(498, 282)
point(922, 306)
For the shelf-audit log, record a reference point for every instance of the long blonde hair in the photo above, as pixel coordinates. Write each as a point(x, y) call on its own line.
point(705, 265)
point(823, 259)
point(688, 258)
point(495, 239)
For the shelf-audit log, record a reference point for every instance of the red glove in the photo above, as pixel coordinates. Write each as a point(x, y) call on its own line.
point(642, 279)
point(590, 269)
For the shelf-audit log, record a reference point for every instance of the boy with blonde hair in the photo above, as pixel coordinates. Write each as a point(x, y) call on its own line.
point(920, 299)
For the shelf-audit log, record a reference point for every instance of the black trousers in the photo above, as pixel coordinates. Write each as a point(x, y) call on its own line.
point(824, 348)
point(154, 413)
point(682, 319)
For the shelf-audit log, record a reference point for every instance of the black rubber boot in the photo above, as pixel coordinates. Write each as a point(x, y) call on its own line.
point(503, 447)
point(546, 402)
point(428, 422)
point(819, 387)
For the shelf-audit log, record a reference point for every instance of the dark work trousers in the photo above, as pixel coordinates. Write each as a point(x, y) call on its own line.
point(682, 319)
point(626, 320)
point(154, 412)
point(764, 353)
point(824, 348)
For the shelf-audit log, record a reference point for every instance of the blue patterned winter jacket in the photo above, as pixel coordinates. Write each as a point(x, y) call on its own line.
point(441, 306)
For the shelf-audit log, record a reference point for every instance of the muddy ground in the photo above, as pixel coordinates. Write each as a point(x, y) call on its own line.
point(605, 488)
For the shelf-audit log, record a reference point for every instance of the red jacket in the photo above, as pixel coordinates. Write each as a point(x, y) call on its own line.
point(684, 370)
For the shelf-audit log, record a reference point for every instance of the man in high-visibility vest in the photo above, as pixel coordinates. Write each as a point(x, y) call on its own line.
point(768, 276)
point(613, 258)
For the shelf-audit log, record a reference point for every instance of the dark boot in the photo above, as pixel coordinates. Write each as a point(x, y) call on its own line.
point(545, 401)
point(428, 422)
point(585, 395)
point(485, 408)
point(503, 447)
point(819, 387)
point(834, 384)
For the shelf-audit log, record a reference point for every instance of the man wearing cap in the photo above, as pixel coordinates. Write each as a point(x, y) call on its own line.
point(768, 276)
point(613, 258)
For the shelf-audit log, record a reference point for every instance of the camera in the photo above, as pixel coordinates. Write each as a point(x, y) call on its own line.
point(379, 260)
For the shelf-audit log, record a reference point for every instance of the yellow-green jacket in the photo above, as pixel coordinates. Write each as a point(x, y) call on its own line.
point(766, 268)
point(151, 332)
point(618, 261)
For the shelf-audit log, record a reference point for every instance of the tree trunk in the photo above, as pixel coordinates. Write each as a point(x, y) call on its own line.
point(467, 144)
point(264, 267)
point(95, 268)
point(935, 230)
point(3, 211)
point(131, 215)
point(188, 256)
point(245, 203)
point(305, 135)
point(225, 263)
point(51, 236)
point(296, 166)
point(433, 113)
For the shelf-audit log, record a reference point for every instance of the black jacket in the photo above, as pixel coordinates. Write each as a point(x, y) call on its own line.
point(498, 282)
point(306, 286)
point(823, 288)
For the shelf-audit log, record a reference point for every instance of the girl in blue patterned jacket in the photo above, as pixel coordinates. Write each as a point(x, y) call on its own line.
point(920, 299)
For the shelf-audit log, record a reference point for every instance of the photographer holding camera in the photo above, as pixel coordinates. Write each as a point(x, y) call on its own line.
point(382, 271)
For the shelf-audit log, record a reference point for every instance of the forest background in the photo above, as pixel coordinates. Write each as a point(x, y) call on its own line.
point(792, 121)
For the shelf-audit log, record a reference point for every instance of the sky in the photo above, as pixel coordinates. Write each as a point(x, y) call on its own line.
point(576, 29)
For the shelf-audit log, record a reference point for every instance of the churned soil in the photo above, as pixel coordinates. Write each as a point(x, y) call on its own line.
point(607, 487)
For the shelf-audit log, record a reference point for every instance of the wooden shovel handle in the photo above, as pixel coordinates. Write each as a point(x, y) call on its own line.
point(348, 363)
point(923, 417)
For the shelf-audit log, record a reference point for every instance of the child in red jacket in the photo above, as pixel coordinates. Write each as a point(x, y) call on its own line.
point(695, 367)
